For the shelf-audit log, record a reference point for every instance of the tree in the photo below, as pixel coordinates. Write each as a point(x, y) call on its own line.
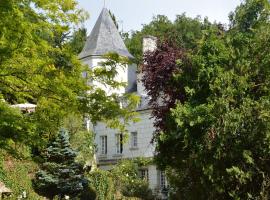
point(78, 40)
point(12, 124)
point(36, 65)
point(39, 64)
point(213, 111)
point(32, 47)
point(81, 139)
point(184, 32)
point(60, 174)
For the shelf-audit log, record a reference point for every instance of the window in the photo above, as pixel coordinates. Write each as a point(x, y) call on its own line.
point(143, 173)
point(119, 143)
point(100, 63)
point(134, 139)
point(163, 181)
point(85, 75)
point(103, 144)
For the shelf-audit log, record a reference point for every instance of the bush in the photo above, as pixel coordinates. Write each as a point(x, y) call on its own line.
point(101, 182)
point(121, 182)
point(16, 174)
point(138, 188)
point(127, 181)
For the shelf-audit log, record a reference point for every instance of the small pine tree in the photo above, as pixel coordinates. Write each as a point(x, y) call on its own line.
point(60, 174)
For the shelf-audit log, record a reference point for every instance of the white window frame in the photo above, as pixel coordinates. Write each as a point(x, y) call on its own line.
point(144, 174)
point(119, 143)
point(162, 180)
point(103, 145)
point(134, 139)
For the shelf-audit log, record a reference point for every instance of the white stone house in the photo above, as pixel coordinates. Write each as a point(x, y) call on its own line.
point(103, 39)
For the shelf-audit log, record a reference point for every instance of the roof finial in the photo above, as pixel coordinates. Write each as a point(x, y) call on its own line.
point(104, 5)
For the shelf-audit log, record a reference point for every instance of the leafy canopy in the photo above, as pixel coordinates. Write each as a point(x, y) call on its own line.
point(39, 64)
point(212, 109)
point(183, 31)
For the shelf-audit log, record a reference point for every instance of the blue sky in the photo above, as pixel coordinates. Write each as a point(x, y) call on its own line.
point(133, 13)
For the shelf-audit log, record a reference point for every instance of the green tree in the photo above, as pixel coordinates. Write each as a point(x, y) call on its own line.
point(39, 64)
point(81, 139)
point(184, 32)
point(12, 123)
point(78, 40)
point(60, 174)
point(213, 126)
point(35, 64)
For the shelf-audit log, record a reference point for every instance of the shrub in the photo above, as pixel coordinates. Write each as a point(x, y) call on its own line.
point(122, 182)
point(16, 174)
point(102, 183)
point(127, 181)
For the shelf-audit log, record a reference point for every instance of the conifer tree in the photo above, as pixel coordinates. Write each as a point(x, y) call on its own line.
point(60, 174)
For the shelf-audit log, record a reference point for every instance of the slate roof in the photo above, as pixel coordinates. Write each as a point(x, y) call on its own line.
point(104, 38)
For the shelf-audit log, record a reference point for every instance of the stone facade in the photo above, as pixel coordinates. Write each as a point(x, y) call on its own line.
point(122, 76)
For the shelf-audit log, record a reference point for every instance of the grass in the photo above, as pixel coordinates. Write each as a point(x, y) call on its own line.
point(17, 174)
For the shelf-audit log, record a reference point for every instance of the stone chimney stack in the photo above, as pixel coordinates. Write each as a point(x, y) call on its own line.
point(149, 45)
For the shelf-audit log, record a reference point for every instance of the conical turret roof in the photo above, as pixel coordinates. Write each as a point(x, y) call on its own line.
point(104, 38)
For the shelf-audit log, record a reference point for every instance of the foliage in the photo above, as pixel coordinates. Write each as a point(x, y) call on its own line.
point(212, 115)
point(127, 181)
point(14, 127)
point(102, 183)
point(164, 61)
point(115, 110)
point(17, 174)
point(122, 182)
point(81, 139)
point(39, 64)
point(59, 174)
point(77, 41)
point(184, 32)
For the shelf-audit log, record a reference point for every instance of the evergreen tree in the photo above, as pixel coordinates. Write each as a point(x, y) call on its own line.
point(60, 174)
